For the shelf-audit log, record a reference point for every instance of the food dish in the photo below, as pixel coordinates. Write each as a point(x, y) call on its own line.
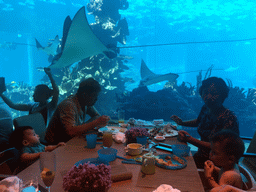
point(112, 129)
point(159, 138)
point(170, 161)
point(171, 134)
point(95, 161)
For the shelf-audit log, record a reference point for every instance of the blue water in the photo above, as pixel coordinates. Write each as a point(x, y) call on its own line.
point(150, 22)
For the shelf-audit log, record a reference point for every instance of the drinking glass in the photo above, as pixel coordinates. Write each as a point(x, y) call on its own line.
point(107, 139)
point(121, 114)
point(47, 168)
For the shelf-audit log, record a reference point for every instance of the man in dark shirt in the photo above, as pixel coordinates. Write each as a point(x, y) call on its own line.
point(68, 120)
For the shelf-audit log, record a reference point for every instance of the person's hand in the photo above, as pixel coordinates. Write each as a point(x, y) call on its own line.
point(208, 168)
point(176, 119)
point(47, 70)
point(61, 144)
point(102, 120)
point(183, 135)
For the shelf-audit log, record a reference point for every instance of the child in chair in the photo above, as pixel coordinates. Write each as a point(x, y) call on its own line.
point(26, 140)
point(226, 149)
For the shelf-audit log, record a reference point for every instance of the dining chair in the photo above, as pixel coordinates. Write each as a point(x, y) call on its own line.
point(249, 183)
point(6, 156)
point(249, 158)
point(36, 121)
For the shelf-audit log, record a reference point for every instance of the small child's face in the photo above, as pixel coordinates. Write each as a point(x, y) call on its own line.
point(217, 154)
point(31, 137)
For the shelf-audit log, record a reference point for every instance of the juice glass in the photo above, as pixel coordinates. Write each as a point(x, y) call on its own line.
point(107, 139)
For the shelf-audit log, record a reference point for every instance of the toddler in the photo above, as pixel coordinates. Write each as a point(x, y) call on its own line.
point(226, 149)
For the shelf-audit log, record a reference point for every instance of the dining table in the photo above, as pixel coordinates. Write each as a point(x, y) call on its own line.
point(186, 179)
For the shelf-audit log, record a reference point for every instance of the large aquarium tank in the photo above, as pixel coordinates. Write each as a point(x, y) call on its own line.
point(192, 39)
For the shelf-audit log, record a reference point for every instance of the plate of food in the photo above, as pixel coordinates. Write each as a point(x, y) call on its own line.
point(112, 129)
point(170, 161)
point(158, 131)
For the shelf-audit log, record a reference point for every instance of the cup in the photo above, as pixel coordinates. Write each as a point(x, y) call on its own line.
point(121, 114)
point(91, 141)
point(107, 139)
point(142, 140)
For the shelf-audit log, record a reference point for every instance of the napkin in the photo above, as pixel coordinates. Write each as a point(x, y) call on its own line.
point(119, 137)
point(11, 184)
point(166, 188)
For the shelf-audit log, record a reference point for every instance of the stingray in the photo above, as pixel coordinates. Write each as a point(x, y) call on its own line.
point(78, 42)
point(149, 78)
point(51, 49)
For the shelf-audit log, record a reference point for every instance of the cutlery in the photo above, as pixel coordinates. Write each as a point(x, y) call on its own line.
point(163, 148)
point(165, 145)
point(132, 162)
point(119, 157)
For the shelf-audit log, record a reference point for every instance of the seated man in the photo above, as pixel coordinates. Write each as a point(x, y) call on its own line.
point(68, 119)
point(226, 150)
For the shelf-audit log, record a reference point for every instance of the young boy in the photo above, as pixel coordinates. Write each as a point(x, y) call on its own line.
point(26, 140)
point(226, 149)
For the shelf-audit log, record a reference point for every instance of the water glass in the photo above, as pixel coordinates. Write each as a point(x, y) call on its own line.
point(91, 141)
point(142, 140)
point(121, 116)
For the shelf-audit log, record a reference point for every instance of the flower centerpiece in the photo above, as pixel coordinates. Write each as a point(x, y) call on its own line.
point(88, 177)
point(135, 132)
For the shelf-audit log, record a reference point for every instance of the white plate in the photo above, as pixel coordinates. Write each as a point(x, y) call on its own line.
point(112, 129)
point(172, 134)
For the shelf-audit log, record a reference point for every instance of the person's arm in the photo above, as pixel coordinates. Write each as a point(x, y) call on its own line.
point(29, 157)
point(93, 113)
point(50, 148)
point(208, 172)
point(198, 143)
point(55, 88)
point(17, 106)
point(68, 118)
point(190, 123)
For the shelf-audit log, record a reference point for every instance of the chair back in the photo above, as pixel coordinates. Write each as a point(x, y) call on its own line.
point(248, 180)
point(6, 156)
point(36, 121)
point(250, 162)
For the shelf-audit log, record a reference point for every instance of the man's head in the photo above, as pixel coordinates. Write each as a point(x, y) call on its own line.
point(42, 93)
point(88, 92)
point(213, 91)
point(24, 136)
point(226, 148)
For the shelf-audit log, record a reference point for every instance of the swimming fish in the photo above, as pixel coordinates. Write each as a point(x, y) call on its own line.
point(78, 42)
point(149, 78)
point(51, 49)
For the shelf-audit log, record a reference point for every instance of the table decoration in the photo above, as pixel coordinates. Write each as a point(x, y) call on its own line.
point(132, 134)
point(88, 177)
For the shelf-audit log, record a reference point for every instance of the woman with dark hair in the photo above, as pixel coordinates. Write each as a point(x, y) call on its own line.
point(213, 118)
point(41, 95)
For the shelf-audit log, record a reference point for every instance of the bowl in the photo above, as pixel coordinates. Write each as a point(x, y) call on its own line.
point(107, 154)
point(134, 149)
point(181, 150)
point(159, 138)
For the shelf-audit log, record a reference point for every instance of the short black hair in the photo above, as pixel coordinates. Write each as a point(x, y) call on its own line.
point(218, 83)
point(89, 86)
point(17, 136)
point(231, 143)
point(44, 89)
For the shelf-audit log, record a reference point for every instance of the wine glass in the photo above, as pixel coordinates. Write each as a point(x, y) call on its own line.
point(47, 168)
point(107, 139)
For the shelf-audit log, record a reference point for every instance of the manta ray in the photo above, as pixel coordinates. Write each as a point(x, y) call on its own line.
point(51, 49)
point(78, 42)
point(149, 78)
